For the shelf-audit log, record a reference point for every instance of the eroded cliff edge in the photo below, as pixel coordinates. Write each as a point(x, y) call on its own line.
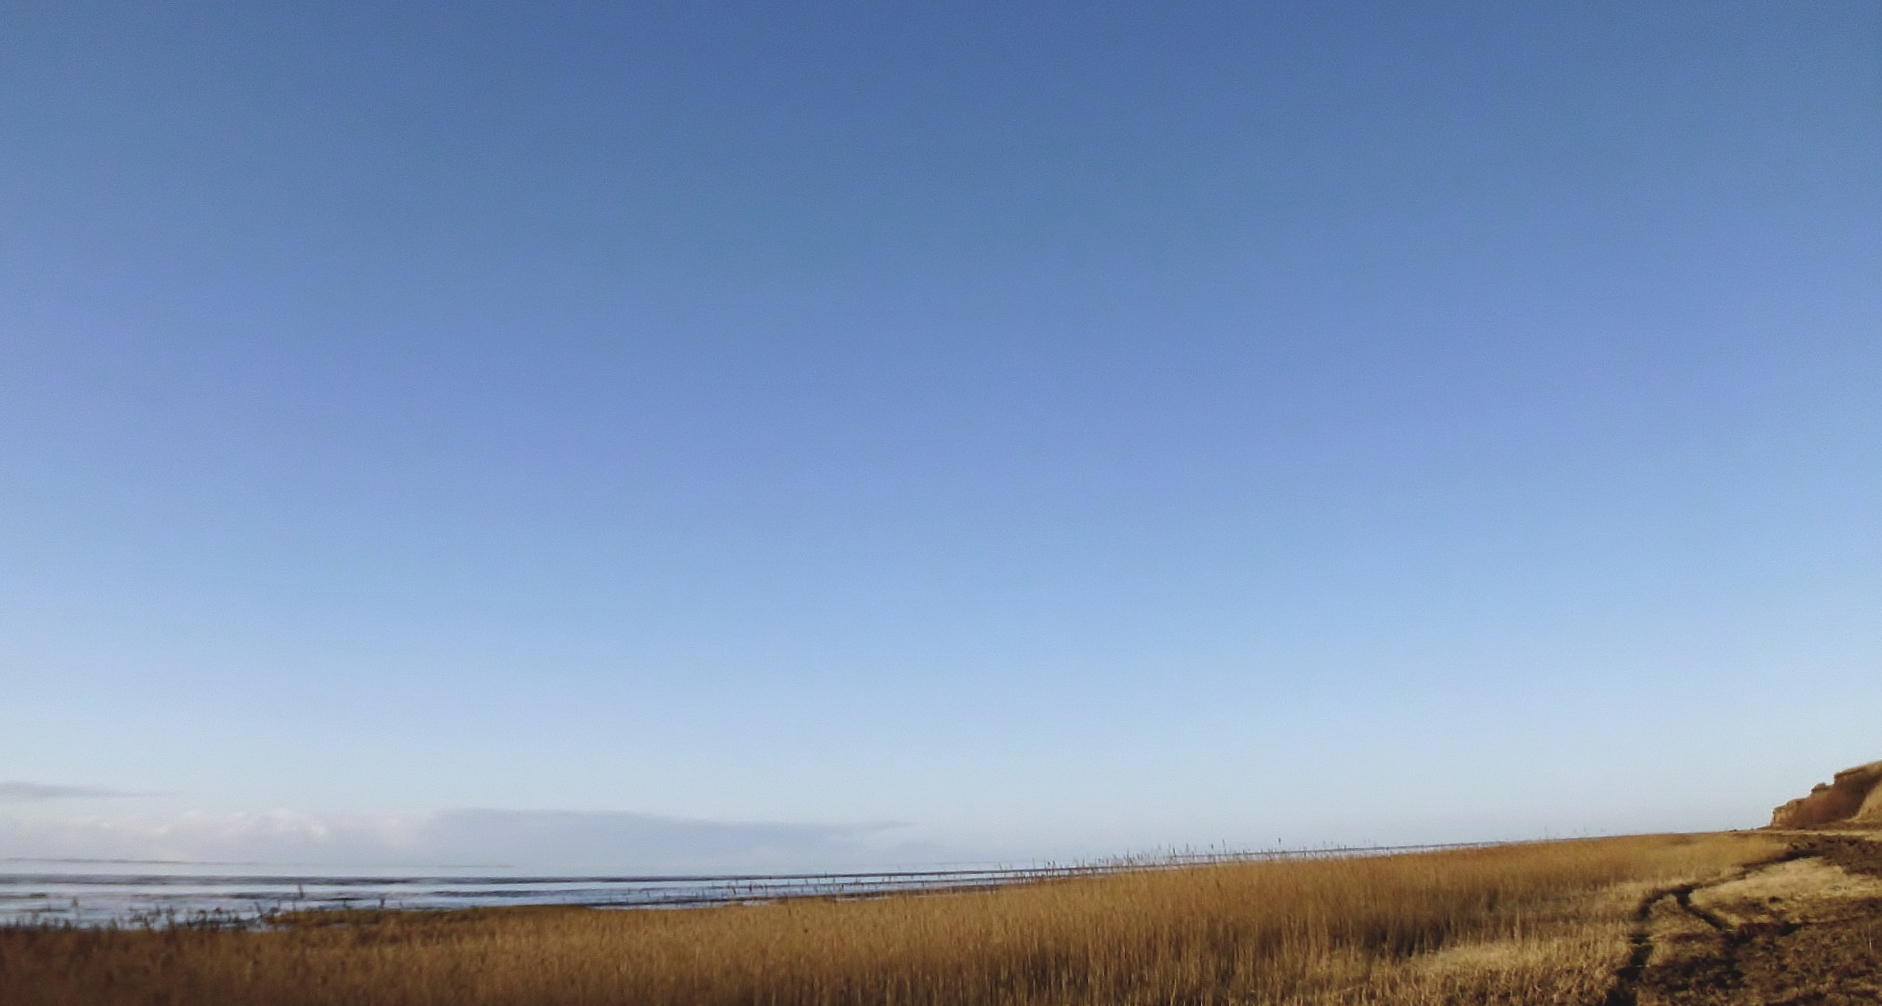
point(1853, 798)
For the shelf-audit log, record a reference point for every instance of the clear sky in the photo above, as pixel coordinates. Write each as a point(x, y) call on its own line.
point(979, 430)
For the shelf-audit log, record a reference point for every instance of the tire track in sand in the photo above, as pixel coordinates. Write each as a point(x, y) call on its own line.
point(1627, 978)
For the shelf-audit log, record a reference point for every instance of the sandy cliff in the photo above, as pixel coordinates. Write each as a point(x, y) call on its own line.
point(1853, 798)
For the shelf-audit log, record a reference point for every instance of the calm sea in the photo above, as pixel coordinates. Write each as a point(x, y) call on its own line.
point(101, 892)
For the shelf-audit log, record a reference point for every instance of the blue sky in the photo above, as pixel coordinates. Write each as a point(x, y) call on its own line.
point(998, 430)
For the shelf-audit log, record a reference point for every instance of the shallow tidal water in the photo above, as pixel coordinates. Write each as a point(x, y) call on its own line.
point(104, 893)
point(150, 892)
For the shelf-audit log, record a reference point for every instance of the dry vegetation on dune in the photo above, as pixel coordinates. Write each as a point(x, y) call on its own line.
point(1543, 923)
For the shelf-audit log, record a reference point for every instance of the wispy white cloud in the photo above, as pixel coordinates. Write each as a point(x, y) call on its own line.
point(528, 840)
point(15, 791)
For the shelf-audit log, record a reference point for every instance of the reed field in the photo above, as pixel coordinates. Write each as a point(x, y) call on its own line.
point(1532, 923)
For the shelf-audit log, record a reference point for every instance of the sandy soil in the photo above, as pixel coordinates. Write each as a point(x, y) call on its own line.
point(1806, 928)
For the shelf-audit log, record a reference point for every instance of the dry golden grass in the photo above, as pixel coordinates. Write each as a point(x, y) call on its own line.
point(1544, 923)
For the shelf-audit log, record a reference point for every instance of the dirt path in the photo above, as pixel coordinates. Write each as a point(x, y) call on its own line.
point(1805, 927)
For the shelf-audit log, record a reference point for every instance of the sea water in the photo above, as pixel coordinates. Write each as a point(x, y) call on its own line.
point(93, 892)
